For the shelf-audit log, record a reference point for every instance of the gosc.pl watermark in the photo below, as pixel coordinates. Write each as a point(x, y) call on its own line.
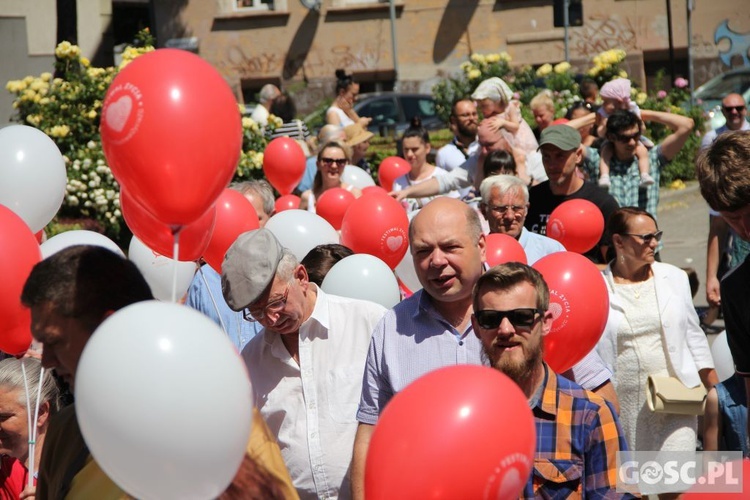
point(653, 472)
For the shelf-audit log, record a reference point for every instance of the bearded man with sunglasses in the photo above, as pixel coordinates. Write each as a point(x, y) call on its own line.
point(578, 433)
point(306, 364)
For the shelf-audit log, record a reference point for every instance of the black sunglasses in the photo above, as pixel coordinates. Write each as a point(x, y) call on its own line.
point(627, 138)
point(729, 109)
point(490, 319)
point(648, 237)
point(340, 162)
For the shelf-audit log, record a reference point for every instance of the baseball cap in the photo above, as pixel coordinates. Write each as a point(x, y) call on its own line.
point(562, 136)
point(249, 267)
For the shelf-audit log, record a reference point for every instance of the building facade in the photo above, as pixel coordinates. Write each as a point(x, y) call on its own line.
point(300, 43)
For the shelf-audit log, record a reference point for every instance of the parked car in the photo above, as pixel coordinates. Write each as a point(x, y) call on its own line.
point(709, 95)
point(391, 112)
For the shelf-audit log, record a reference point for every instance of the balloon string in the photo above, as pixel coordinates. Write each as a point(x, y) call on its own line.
point(213, 301)
point(404, 288)
point(32, 424)
point(175, 255)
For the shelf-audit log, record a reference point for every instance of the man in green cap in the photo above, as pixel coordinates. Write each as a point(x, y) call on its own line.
point(562, 152)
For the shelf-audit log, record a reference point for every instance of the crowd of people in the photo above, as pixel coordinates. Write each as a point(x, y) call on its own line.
point(323, 367)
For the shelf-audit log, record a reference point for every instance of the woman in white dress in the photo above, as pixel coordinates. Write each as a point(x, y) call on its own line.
point(341, 111)
point(332, 159)
point(416, 146)
point(652, 329)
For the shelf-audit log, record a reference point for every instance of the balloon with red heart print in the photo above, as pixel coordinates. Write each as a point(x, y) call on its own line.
point(172, 134)
point(502, 248)
point(577, 224)
point(376, 225)
point(284, 164)
point(444, 415)
point(579, 303)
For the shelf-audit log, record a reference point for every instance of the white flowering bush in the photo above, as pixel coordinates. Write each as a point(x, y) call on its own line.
point(254, 140)
point(68, 108)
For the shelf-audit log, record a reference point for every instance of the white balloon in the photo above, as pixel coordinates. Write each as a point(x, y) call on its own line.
point(78, 237)
point(405, 269)
point(356, 177)
point(300, 231)
point(406, 272)
point(164, 402)
point(723, 360)
point(32, 175)
point(363, 276)
point(159, 271)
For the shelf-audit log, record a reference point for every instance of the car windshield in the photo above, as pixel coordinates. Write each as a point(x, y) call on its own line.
point(735, 83)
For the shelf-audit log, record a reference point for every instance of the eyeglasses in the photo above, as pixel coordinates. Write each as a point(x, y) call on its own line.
point(274, 307)
point(490, 319)
point(729, 109)
point(503, 209)
point(627, 138)
point(340, 162)
point(647, 238)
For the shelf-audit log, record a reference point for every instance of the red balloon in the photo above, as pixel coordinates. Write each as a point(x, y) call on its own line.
point(502, 248)
point(283, 164)
point(20, 253)
point(158, 236)
point(376, 225)
point(333, 204)
point(172, 134)
point(234, 216)
point(577, 224)
point(579, 303)
point(287, 202)
point(390, 169)
point(373, 190)
point(726, 475)
point(443, 437)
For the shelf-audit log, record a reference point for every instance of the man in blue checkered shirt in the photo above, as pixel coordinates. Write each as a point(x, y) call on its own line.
point(624, 131)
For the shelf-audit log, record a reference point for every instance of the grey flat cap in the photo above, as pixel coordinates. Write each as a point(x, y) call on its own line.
point(249, 267)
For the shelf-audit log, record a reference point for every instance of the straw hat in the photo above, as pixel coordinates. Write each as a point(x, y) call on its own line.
point(355, 134)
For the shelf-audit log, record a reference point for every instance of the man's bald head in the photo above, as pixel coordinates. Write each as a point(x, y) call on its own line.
point(491, 140)
point(734, 109)
point(441, 206)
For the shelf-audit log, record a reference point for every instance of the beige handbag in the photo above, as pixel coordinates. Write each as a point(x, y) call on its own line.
point(669, 395)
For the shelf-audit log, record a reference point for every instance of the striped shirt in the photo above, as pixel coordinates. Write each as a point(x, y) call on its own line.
point(296, 129)
point(411, 340)
point(578, 437)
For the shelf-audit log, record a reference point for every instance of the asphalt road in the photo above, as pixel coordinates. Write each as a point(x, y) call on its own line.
point(683, 216)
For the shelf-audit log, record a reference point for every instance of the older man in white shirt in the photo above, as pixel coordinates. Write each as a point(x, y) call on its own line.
point(306, 364)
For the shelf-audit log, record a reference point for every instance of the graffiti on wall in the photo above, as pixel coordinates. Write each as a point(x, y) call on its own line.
point(239, 60)
point(601, 33)
point(739, 43)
